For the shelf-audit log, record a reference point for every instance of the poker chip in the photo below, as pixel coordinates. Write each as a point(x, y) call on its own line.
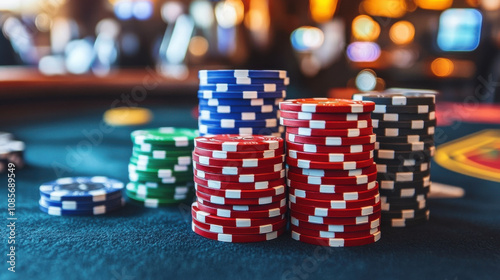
point(393, 154)
point(249, 93)
point(331, 141)
point(419, 109)
point(384, 168)
point(161, 166)
point(415, 146)
point(337, 242)
point(231, 123)
point(405, 139)
point(393, 117)
point(240, 116)
point(243, 80)
point(11, 151)
point(82, 189)
point(405, 192)
point(397, 99)
point(392, 185)
point(331, 157)
point(413, 124)
point(403, 131)
point(331, 172)
point(239, 102)
point(351, 132)
point(237, 238)
point(325, 124)
point(401, 222)
point(240, 73)
point(242, 131)
point(403, 176)
point(240, 183)
point(327, 105)
point(234, 109)
point(59, 206)
point(234, 88)
point(97, 210)
point(406, 214)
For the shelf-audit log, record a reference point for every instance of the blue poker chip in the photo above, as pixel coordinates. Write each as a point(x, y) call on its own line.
point(233, 87)
point(242, 73)
point(204, 129)
point(239, 109)
point(89, 189)
point(246, 116)
point(230, 123)
point(78, 205)
point(98, 210)
point(209, 94)
point(244, 81)
point(240, 102)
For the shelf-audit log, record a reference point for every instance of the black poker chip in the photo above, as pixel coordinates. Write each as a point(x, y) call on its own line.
point(405, 139)
point(384, 168)
point(392, 185)
point(413, 124)
point(405, 214)
point(395, 117)
point(415, 146)
point(397, 99)
point(403, 176)
point(394, 132)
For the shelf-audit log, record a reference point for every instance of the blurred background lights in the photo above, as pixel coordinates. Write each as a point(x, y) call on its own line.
point(490, 5)
point(442, 67)
point(459, 30)
point(170, 11)
point(322, 10)
point(142, 10)
point(123, 9)
point(434, 4)
point(385, 8)
point(364, 28)
point(402, 32)
point(363, 51)
point(366, 80)
point(202, 13)
point(229, 13)
point(307, 38)
point(198, 46)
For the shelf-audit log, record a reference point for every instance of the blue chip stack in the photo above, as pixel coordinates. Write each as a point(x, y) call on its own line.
point(81, 196)
point(243, 102)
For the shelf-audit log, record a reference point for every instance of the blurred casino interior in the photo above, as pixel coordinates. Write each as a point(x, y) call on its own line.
point(328, 47)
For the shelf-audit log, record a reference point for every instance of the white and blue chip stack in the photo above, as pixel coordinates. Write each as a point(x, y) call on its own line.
point(404, 121)
point(241, 102)
point(81, 196)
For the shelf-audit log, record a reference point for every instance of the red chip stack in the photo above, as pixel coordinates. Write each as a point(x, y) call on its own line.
point(240, 188)
point(334, 197)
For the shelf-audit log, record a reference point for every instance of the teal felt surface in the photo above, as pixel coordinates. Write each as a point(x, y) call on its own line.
point(461, 240)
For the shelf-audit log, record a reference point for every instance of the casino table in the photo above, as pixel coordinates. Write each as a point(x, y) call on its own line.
point(66, 137)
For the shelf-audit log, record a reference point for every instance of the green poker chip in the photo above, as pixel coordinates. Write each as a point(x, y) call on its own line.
point(165, 136)
point(158, 202)
point(161, 163)
point(142, 178)
point(163, 191)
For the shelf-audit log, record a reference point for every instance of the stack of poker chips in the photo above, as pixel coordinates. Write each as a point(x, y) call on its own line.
point(11, 151)
point(334, 197)
point(243, 102)
point(240, 185)
point(160, 169)
point(404, 123)
point(81, 196)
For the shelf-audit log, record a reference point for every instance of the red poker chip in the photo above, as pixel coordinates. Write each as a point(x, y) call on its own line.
point(232, 170)
point(332, 188)
point(327, 105)
point(325, 124)
point(317, 180)
point(205, 217)
point(215, 184)
point(332, 234)
point(334, 196)
point(334, 213)
point(337, 242)
point(274, 212)
point(346, 221)
point(335, 204)
point(331, 157)
point(331, 141)
point(324, 117)
point(243, 201)
point(238, 194)
point(244, 163)
point(238, 155)
point(312, 148)
point(332, 173)
point(245, 178)
point(350, 132)
point(336, 228)
point(238, 238)
point(244, 208)
point(236, 143)
point(347, 165)
point(238, 230)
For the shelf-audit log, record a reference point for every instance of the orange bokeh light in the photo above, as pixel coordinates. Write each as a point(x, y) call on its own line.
point(364, 28)
point(442, 67)
point(402, 32)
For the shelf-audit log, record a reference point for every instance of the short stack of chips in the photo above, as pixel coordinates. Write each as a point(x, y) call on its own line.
point(11, 151)
point(160, 169)
point(81, 196)
point(404, 123)
point(240, 185)
point(243, 102)
point(334, 198)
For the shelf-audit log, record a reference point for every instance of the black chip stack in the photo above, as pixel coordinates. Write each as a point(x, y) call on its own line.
point(404, 123)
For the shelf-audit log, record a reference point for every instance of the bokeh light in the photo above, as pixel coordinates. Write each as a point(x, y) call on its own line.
point(363, 51)
point(170, 11)
point(229, 13)
point(123, 9)
point(442, 67)
point(490, 5)
point(366, 80)
point(322, 10)
point(385, 8)
point(142, 10)
point(202, 13)
point(198, 46)
point(307, 38)
point(434, 4)
point(402, 32)
point(364, 28)
point(459, 30)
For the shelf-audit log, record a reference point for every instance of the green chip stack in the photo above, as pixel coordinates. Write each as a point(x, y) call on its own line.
point(160, 169)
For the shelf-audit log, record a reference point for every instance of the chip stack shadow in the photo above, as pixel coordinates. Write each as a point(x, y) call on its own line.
point(404, 123)
point(240, 185)
point(242, 102)
point(160, 169)
point(334, 197)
